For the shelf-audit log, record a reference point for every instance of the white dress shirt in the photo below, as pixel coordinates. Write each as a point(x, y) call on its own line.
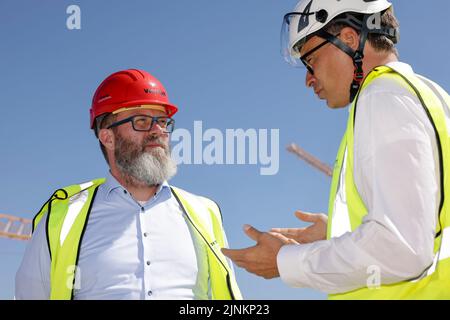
point(129, 251)
point(396, 172)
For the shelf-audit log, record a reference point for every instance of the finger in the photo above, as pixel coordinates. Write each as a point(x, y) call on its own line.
point(288, 232)
point(306, 216)
point(279, 236)
point(283, 238)
point(281, 230)
point(252, 232)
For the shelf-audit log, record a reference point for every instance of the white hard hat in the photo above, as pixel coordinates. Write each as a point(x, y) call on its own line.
point(310, 16)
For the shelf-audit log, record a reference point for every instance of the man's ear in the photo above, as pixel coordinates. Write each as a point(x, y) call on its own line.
point(350, 37)
point(106, 137)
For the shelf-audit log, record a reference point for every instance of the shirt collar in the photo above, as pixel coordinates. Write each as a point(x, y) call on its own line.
point(400, 67)
point(111, 184)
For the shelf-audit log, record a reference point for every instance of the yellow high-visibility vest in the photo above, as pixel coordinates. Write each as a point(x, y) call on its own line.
point(76, 201)
point(435, 281)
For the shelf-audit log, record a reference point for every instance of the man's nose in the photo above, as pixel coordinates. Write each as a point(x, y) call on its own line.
point(157, 130)
point(310, 80)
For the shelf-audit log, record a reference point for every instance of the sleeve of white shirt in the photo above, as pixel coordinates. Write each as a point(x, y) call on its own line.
point(397, 175)
point(33, 276)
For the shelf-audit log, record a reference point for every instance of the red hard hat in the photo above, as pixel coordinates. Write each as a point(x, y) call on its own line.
point(129, 88)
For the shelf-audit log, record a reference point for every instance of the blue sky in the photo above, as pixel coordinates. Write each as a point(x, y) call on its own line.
point(220, 63)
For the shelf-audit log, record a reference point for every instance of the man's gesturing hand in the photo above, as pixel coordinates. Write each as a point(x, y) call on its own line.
point(261, 259)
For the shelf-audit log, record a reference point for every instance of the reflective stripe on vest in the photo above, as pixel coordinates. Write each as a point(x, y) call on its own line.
point(67, 215)
point(434, 283)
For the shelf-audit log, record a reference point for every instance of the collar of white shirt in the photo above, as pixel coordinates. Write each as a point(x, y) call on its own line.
point(400, 67)
point(112, 184)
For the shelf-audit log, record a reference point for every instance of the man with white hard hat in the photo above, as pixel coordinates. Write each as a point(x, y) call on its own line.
point(388, 229)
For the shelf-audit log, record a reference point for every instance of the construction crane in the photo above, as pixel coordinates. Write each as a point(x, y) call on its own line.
point(14, 227)
point(309, 158)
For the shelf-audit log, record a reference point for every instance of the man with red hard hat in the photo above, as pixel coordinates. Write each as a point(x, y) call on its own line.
point(131, 235)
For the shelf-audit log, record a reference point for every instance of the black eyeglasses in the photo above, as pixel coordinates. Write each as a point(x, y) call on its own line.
point(304, 57)
point(145, 123)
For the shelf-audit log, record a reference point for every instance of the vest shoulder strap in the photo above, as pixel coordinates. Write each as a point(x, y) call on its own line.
point(63, 194)
point(197, 212)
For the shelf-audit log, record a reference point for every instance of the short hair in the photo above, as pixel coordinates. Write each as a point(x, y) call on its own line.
point(102, 122)
point(380, 42)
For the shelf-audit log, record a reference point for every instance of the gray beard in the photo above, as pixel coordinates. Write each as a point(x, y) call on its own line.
point(141, 167)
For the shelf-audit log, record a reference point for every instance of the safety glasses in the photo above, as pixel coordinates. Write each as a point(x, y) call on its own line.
point(304, 58)
point(145, 123)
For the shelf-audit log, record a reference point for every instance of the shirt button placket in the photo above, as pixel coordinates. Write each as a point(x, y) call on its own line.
point(145, 244)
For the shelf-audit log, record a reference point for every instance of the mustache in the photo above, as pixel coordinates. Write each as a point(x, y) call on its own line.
point(155, 139)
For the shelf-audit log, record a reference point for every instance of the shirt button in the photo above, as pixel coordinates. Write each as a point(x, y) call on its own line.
point(142, 209)
point(148, 263)
point(145, 234)
point(150, 293)
point(125, 191)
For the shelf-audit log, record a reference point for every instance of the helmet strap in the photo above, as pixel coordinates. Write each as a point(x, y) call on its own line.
point(358, 74)
point(358, 56)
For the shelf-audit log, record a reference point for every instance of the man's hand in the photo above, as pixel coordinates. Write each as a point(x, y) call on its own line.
point(260, 259)
point(316, 231)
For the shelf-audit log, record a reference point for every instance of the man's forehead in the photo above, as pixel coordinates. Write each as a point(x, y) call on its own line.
point(310, 44)
point(142, 110)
